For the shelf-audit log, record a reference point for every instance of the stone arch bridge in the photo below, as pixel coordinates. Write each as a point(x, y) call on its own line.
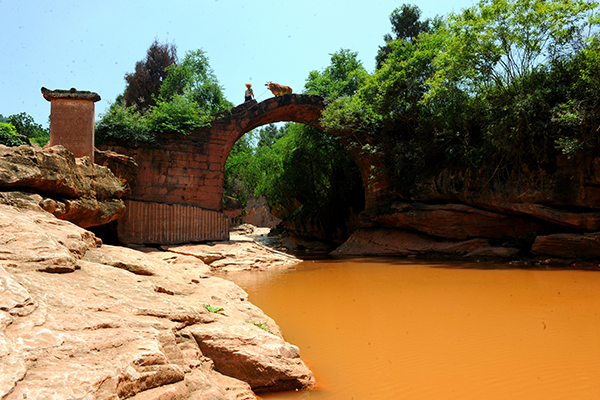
point(177, 194)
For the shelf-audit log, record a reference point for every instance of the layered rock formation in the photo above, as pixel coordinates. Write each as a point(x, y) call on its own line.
point(72, 189)
point(83, 320)
point(542, 213)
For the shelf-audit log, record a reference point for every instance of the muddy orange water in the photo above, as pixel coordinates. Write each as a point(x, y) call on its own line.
point(395, 329)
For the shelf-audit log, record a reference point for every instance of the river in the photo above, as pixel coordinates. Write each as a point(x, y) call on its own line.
point(378, 329)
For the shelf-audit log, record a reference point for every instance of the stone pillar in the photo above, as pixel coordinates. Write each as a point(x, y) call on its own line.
point(72, 120)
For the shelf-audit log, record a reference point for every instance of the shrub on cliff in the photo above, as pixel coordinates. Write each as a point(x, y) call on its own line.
point(123, 123)
point(8, 135)
point(194, 79)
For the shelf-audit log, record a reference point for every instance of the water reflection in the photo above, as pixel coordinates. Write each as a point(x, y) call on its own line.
point(398, 329)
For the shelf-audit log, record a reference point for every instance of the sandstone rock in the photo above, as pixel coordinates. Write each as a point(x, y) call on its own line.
point(568, 245)
point(74, 188)
point(456, 221)
point(125, 258)
point(258, 213)
point(122, 166)
point(388, 241)
point(56, 171)
point(589, 221)
point(37, 241)
point(240, 253)
point(494, 251)
point(572, 183)
point(179, 261)
point(107, 333)
point(27, 201)
point(236, 349)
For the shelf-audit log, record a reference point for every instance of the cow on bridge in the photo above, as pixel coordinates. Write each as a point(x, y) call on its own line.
point(277, 89)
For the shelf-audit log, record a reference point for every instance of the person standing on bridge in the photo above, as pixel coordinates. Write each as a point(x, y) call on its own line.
point(249, 94)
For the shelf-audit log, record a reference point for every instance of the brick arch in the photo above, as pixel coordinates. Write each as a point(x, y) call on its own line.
point(304, 109)
point(177, 194)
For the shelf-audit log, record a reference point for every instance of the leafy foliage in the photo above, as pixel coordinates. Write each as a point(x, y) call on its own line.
point(241, 174)
point(214, 310)
point(144, 84)
point(406, 25)
point(498, 42)
point(179, 115)
point(26, 126)
point(314, 170)
point(343, 77)
point(500, 84)
point(124, 123)
point(187, 97)
point(304, 173)
point(8, 135)
point(195, 80)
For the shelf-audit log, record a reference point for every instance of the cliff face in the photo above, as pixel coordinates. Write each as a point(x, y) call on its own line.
point(536, 213)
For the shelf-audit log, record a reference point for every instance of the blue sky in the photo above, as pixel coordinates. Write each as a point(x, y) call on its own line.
point(91, 45)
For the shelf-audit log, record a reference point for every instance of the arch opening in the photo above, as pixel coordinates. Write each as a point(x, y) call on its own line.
point(305, 178)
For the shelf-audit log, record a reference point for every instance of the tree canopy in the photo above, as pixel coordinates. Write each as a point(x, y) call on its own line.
point(184, 96)
point(143, 85)
point(406, 26)
point(499, 84)
point(194, 79)
point(25, 126)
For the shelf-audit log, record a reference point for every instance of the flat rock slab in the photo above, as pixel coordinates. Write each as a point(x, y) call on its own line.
point(241, 253)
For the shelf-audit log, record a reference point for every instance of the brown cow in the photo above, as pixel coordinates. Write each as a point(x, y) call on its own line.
point(277, 89)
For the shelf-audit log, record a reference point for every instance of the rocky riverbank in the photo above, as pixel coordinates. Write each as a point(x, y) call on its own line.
point(82, 320)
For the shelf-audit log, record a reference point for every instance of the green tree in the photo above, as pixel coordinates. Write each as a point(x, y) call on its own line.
point(499, 83)
point(241, 174)
point(406, 26)
point(9, 135)
point(26, 126)
point(188, 97)
point(143, 85)
point(313, 170)
point(269, 134)
point(343, 77)
point(179, 115)
point(195, 79)
point(124, 123)
point(495, 67)
point(498, 42)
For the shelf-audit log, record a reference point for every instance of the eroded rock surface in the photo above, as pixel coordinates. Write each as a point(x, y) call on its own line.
point(72, 189)
point(79, 320)
point(240, 253)
point(531, 213)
